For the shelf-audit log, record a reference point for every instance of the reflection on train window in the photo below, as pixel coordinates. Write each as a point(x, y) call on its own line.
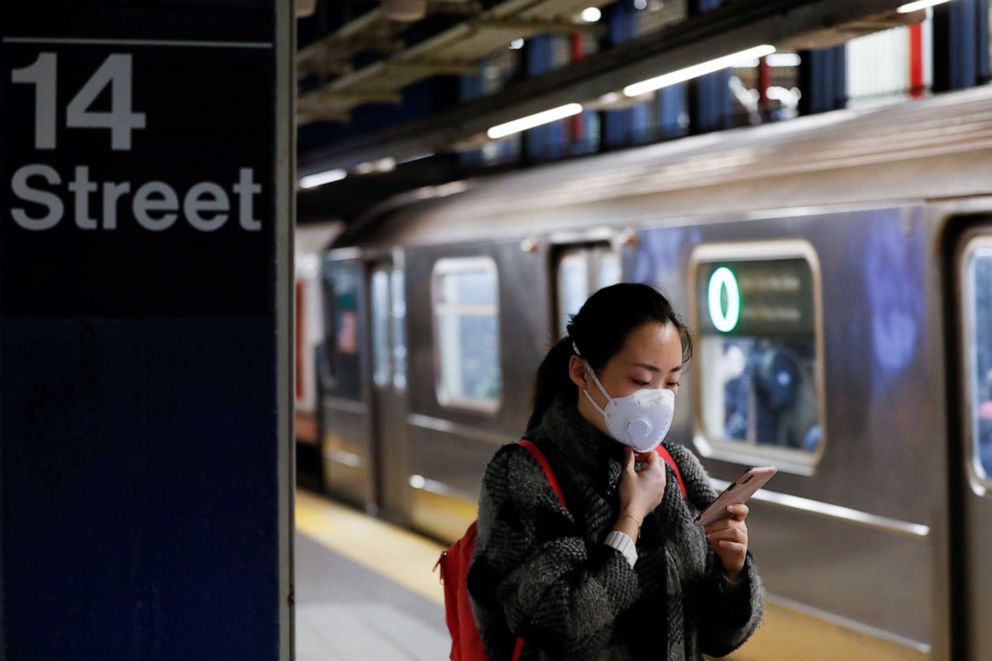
point(380, 326)
point(341, 291)
point(979, 274)
point(581, 272)
point(399, 337)
point(758, 355)
point(465, 296)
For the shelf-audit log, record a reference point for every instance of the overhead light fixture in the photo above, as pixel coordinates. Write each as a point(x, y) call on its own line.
point(321, 178)
point(784, 60)
point(591, 14)
point(640, 5)
point(697, 70)
point(530, 121)
point(910, 7)
point(387, 164)
point(516, 44)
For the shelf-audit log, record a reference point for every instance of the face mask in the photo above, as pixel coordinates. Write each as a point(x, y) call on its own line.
point(640, 419)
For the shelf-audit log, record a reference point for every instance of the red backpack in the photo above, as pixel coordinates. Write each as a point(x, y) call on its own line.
point(466, 643)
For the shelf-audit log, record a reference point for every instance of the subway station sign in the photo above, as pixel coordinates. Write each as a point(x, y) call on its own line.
point(759, 297)
point(143, 179)
point(146, 149)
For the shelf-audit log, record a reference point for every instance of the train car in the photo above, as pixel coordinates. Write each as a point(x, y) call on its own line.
point(837, 272)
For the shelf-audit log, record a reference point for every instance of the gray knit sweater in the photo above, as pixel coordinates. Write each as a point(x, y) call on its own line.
point(543, 573)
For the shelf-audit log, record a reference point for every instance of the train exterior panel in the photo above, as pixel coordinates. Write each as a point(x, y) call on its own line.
point(451, 439)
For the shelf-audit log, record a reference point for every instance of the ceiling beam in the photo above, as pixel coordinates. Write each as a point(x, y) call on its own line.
point(432, 67)
point(454, 8)
point(726, 30)
point(526, 27)
point(356, 96)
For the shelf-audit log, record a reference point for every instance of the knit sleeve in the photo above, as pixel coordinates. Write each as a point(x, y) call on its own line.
point(729, 612)
point(532, 567)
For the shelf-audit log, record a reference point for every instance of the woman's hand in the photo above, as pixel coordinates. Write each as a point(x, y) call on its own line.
point(728, 538)
point(641, 490)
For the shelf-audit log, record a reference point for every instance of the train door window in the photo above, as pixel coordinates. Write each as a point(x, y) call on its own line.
point(465, 295)
point(977, 300)
point(581, 271)
point(399, 324)
point(759, 385)
point(380, 325)
point(573, 286)
point(341, 287)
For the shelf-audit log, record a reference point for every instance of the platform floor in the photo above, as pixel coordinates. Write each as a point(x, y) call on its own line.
point(347, 605)
point(365, 592)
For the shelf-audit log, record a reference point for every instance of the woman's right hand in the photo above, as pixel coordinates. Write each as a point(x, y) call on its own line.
point(641, 490)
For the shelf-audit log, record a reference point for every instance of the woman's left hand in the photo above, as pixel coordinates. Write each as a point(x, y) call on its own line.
point(728, 538)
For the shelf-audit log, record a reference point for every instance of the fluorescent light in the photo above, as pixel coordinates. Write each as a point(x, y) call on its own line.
point(784, 60)
point(516, 44)
point(530, 121)
point(591, 14)
point(367, 167)
point(909, 8)
point(697, 70)
point(321, 178)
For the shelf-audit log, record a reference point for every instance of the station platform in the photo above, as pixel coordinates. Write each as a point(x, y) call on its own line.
point(365, 591)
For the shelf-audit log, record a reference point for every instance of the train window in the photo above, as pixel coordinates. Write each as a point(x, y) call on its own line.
point(758, 391)
point(978, 351)
point(399, 336)
point(582, 271)
point(380, 326)
point(573, 286)
point(608, 271)
point(465, 295)
point(341, 313)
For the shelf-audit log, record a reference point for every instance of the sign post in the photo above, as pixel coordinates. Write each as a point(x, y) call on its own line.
point(145, 245)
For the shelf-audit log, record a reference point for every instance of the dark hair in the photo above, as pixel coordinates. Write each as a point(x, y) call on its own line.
point(599, 330)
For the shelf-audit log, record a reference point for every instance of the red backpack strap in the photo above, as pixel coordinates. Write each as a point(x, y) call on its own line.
point(546, 467)
point(666, 455)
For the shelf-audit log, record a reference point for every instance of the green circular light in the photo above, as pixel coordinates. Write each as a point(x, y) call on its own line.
point(724, 321)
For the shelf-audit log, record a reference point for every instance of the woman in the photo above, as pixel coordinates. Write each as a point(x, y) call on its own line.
point(622, 572)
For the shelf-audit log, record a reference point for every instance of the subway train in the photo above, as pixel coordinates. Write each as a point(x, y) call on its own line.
point(836, 271)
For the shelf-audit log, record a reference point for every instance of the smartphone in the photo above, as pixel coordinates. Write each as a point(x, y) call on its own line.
point(738, 492)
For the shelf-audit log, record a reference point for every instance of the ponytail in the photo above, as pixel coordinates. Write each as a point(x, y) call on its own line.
point(552, 381)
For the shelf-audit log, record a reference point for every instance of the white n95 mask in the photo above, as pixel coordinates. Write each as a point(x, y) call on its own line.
point(641, 419)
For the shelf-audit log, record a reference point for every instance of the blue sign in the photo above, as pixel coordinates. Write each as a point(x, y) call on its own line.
point(140, 458)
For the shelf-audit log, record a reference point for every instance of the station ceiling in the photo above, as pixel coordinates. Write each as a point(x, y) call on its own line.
point(333, 88)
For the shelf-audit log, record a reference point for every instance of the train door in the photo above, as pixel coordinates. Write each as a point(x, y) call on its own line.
point(580, 270)
point(387, 312)
point(974, 534)
point(347, 456)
